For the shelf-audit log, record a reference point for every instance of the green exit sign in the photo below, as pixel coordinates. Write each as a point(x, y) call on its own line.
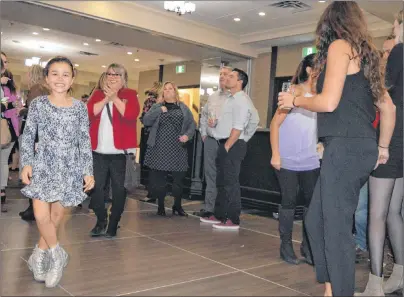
point(308, 51)
point(180, 69)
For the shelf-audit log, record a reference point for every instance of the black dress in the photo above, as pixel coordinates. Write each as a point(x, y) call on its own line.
point(394, 81)
point(168, 153)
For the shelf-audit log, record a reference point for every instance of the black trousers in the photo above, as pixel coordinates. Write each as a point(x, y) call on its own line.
point(346, 166)
point(158, 186)
point(228, 200)
point(290, 181)
point(109, 167)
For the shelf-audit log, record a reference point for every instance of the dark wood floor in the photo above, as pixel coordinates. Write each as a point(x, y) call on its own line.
point(157, 256)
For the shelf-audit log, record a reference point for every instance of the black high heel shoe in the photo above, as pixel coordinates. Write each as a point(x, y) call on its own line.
point(180, 211)
point(161, 212)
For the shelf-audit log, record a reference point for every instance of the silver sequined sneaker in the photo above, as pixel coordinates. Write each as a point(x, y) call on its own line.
point(38, 263)
point(58, 260)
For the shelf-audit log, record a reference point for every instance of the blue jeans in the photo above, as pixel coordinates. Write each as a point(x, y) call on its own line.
point(361, 219)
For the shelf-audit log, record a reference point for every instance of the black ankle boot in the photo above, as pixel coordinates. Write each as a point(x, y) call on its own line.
point(99, 229)
point(112, 229)
point(287, 254)
point(161, 211)
point(3, 202)
point(179, 211)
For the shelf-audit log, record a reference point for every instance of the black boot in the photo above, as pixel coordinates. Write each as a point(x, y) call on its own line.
point(100, 227)
point(305, 250)
point(3, 201)
point(161, 209)
point(28, 214)
point(112, 228)
point(177, 208)
point(286, 217)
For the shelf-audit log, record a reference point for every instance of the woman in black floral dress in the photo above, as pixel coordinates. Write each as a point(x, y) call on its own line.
point(171, 126)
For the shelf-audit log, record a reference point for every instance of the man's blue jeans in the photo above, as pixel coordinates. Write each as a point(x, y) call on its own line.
point(361, 219)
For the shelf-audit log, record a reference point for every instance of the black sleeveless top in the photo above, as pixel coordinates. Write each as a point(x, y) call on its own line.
point(355, 112)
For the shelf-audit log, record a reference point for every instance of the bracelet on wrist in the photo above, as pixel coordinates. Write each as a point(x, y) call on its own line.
point(384, 147)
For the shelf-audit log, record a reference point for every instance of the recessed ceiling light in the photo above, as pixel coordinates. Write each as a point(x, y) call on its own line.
point(98, 40)
point(321, 1)
point(261, 13)
point(35, 33)
point(103, 66)
point(129, 53)
point(85, 43)
point(45, 29)
point(237, 19)
point(137, 60)
point(76, 65)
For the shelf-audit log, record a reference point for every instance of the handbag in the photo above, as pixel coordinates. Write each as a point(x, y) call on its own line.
point(132, 177)
point(5, 133)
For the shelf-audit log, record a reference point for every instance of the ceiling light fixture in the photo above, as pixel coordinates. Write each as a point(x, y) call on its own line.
point(85, 43)
point(321, 1)
point(45, 29)
point(237, 19)
point(261, 13)
point(137, 60)
point(103, 66)
point(35, 33)
point(129, 53)
point(179, 7)
point(98, 40)
point(76, 65)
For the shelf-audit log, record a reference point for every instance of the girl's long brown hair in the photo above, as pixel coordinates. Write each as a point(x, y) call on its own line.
point(345, 20)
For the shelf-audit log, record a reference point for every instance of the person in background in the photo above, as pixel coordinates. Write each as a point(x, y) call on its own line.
point(386, 186)
point(60, 172)
point(361, 213)
point(210, 113)
point(113, 112)
point(234, 128)
point(349, 84)
point(37, 87)
point(293, 135)
point(8, 112)
point(152, 96)
point(172, 126)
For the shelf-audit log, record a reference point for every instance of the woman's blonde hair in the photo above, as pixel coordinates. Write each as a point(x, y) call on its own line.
point(102, 81)
point(177, 94)
point(155, 89)
point(400, 19)
point(118, 68)
point(36, 76)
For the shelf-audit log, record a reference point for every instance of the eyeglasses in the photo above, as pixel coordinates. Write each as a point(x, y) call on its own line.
point(113, 74)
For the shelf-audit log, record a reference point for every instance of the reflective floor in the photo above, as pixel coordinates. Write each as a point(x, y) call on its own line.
point(157, 256)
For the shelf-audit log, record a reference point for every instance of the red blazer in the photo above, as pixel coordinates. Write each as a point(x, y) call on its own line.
point(124, 127)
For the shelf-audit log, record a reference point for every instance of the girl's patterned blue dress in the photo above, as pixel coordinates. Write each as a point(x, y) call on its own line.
point(63, 156)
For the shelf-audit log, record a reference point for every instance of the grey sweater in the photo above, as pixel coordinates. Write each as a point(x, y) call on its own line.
point(152, 119)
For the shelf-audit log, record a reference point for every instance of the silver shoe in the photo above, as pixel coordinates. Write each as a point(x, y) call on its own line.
point(38, 263)
point(58, 260)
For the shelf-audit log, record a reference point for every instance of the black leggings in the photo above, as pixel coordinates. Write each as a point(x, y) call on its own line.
point(346, 166)
point(290, 182)
point(158, 183)
point(385, 205)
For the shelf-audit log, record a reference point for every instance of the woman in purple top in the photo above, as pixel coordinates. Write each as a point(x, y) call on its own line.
point(293, 136)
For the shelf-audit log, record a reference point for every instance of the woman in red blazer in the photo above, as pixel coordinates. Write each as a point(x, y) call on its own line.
point(110, 137)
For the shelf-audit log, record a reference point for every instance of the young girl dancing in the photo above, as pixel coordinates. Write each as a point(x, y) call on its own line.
point(54, 173)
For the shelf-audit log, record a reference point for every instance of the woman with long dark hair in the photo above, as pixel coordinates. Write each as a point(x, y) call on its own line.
point(349, 85)
point(386, 186)
point(294, 156)
point(9, 112)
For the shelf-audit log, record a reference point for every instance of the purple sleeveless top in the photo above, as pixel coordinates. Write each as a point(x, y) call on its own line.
point(298, 140)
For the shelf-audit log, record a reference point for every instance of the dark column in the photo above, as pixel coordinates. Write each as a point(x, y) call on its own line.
point(272, 75)
point(161, 71)
point(197, 176)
